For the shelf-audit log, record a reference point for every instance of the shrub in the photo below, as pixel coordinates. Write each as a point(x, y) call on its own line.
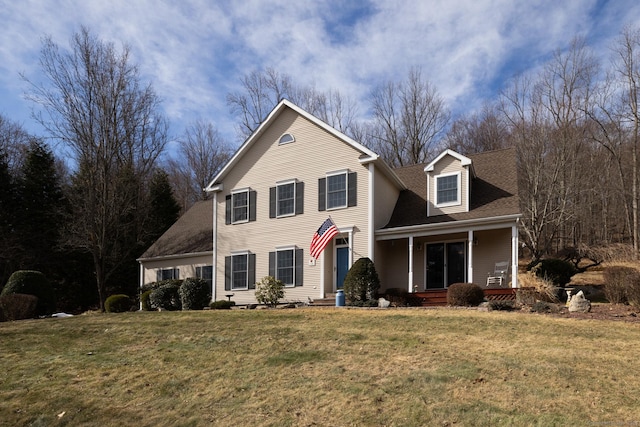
point(501, 305)
point(118, 303)
point(32, 283)
point(222, 305)
point(144, 300)
point(18, 306)
point(557, 270)
point(361, 282)
point(464, 294)
point(615, 282)
point(195, 294)
point(269, 291)
point(166, 297)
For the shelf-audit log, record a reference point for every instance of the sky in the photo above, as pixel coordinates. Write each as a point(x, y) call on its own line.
point(194, 52)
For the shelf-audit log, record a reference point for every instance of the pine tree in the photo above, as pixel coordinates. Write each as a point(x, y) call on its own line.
point(164, 208)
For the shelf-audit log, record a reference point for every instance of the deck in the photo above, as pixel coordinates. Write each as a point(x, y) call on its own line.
point(438, 297)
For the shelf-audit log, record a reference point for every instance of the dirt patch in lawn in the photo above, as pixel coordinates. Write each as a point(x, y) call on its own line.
point(599, 311)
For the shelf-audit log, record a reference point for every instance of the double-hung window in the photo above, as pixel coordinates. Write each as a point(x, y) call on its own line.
point(448, 190)
point(240, 271)
point(167, 274)
point(285, 264)
point(205, 273)
point(286, 199)
point(240, 206)
point(337, 190)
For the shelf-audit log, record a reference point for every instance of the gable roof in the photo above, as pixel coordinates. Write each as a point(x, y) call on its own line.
point(367, 156)
point(494, 191)
point(464, 161)
point(192, 233)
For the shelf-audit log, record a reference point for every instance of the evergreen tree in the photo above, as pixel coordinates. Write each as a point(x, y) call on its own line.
point(164, 209)
point(7, 218)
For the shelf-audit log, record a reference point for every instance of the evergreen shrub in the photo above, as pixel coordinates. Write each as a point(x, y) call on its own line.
point(195, 294)
point(361, 283)
point(144, 300)
point(465, 295)
point(557, 270)
point(32, 283)
point(222, 304)
point(166, 297)
point(18, 307)
point(118, 303)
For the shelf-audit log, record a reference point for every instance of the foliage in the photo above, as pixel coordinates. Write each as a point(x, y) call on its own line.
point(222, 304)
point(18, 306)
point(557, 270)
point(269, 291)
point(145, 302)
point(92, 92)
point(166, 297)
point(195, 294)
point(164, 209)
point(118, 303)
point(361, 282)
point(464, 294)
point(622, 285)
point(32, 283)
point(543, 288)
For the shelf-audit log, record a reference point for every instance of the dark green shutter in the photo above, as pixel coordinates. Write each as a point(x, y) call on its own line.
point(251, 270)
point(272, 202)
point(252, 205)
point(272, 264)
point(299, 254)
point(352, 186)
point(322, 194)
point(299, 198)
point(227, 273)
point(227, 209)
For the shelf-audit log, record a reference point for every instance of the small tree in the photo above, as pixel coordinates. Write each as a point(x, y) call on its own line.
point(361, 283)
point(269, 291)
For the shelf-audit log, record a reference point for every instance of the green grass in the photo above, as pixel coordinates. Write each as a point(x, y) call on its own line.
point(320, 367)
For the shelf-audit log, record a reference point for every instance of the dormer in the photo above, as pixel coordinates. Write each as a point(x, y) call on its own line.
point(449, 179)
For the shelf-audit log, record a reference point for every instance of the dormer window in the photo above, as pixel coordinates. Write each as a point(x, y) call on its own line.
point(286, 139)
point(448, 190)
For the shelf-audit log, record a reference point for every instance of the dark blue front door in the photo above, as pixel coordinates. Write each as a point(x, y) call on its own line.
point(342, 265)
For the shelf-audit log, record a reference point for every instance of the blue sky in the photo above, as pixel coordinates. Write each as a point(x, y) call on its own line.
point(195, 51)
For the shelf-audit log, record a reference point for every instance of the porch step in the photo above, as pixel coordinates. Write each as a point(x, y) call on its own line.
point(328, 300)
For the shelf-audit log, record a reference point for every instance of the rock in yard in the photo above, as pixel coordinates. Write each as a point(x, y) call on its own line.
point(383, 303)
point(579, 304)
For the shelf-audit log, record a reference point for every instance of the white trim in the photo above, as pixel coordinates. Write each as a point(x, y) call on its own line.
point(410, 275)
point(240, 191)
point(457, 202)
point(371, 239)
point(464, 161)
point(286, 182)
point(293, 139)
point(239, 253)
point(174, 256)
point(470, 256)
point(514, 256)
point(293, 267)
point(345, 173)
point(214, 276)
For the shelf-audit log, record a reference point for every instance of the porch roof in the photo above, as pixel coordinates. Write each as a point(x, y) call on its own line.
point(494, 192)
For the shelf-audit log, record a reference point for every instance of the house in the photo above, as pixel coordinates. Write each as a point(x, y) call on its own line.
point(424, 226)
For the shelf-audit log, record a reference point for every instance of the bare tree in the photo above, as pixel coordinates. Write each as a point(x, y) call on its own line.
point(95, 104)
point(410, 119)
point(483, 131)
point(203, 152)
point(14, 143)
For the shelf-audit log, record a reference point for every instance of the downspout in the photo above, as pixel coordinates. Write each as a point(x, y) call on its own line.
point(370, 213)
point(214, 269)
point(470, 256)
point(410, 284)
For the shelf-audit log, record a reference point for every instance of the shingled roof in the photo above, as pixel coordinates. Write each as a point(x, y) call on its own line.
point(192, 233)
point(494, 191)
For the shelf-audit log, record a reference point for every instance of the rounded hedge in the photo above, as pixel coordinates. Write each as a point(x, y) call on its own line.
point(18, 307)
point(464, 295)
point(361, 283)
point(166, 297)
point(32, 283)
point(195, 294)
point(118, 303)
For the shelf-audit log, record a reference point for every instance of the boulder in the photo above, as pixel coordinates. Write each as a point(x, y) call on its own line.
point(383, 303)
point(579, 304)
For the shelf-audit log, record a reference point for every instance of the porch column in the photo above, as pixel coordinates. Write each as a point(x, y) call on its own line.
point(470, 252)
point(410, 284)
point(214, 247)
point(514, 256)
point(321, 274)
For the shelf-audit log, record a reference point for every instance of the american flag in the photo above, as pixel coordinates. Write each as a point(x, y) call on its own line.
point(322, 237)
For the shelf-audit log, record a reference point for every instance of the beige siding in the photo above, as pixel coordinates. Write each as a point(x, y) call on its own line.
point(186, 265)
point(314, 153)
point(493, 246)
point(386, 193)
point(392, 262)
point(448, 165)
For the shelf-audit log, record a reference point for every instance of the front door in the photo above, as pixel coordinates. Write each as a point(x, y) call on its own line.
point(445, 264)
point(342, 265)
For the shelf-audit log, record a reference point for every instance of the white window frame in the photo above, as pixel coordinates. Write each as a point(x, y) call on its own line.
point(281, 184)
point(344, 173)
point(174, 271)
point(246, 271)
point(233, 207)
point(458, 200)
point(286, 138)
point(293, 265)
